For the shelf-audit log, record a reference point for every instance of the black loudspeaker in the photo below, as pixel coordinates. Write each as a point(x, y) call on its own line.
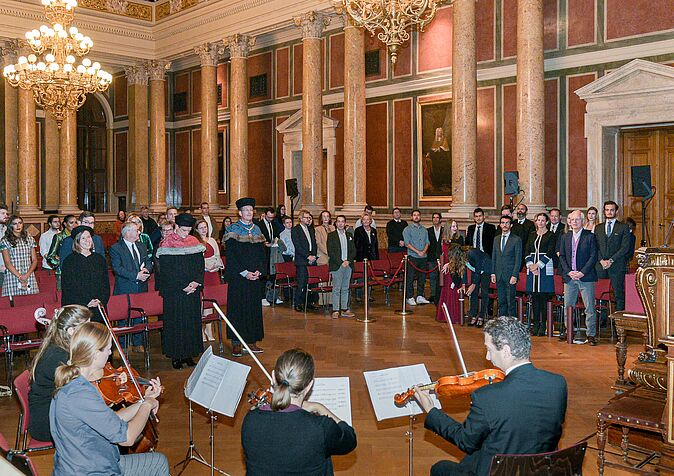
point(511, 181)
point(291, 188)
point(641, 180)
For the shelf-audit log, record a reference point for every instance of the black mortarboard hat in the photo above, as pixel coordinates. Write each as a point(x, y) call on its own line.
point(185, 219)
point(242, 202)
point(79, 229)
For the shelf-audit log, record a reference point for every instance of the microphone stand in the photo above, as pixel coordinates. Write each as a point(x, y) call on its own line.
point(645, 201)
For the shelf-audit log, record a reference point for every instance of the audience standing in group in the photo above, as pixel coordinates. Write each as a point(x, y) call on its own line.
point(303, 237)
point(342, 253)
point(416, 240)
point(394, 232)
point(53, 257)
point(435, 233)
point(613, 248)
point(54, 223)
point(367, 246)
point(506, 261)
point(481, 234)
point(540, 264)
point(19, 254)
point(266, 225)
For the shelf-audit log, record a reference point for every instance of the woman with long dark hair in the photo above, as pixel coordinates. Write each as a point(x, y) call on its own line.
point(539, 261)
point(454, 271)
point(20, 257)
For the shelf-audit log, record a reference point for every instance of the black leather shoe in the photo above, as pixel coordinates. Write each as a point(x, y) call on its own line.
point(177, 364)
point(189, 362)
point(299, 309)
point(592, 340)
point(312, 307)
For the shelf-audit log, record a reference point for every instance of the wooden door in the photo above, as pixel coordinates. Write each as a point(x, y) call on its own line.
point(654, 147)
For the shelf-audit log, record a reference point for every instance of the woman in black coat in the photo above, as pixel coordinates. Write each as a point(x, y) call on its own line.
point(84, 275)
point(365, 239)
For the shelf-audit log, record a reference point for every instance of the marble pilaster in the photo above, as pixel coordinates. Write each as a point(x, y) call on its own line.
point(11, 129)
point(137, 80)
point(208, 55)
point(530, 103)
point(312, 24)
point(239, 48)
point(157, 74)
point(28, 160)
point(68, 166)
point(354, 118)
point(52, 148)
point(464, 110)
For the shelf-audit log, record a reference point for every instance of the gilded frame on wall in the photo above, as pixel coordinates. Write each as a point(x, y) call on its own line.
point(434, 150)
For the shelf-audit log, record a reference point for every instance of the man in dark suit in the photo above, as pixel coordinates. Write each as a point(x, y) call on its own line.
point(522, 226)
point(613, 243)
point(267, 227)
point(479, 263)
point(577, 260)
point(434, 253)
point(481, 234)
point(506, 260)
point(523, 414)
point(304, 240)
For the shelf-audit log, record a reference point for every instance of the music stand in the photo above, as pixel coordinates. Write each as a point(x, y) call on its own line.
point(206, 387)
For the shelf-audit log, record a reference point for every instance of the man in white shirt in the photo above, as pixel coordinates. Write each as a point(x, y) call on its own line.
point(54, 222)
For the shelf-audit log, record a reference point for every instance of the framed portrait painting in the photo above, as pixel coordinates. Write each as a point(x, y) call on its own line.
point(434, 149)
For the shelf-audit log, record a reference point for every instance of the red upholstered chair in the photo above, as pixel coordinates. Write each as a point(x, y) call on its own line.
point(522, 298)
point(23, 440)
point(567, 462)
point(286, 273)
point(319, 281)
point(212, 279)
point(633, 302)
point(145, 305)
point(215, 294)
point(18, 322)
point(16, 458)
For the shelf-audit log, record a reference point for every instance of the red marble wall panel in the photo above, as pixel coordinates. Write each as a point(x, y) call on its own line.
point(402, 153)
point(280, 164)
point(297, 69)
point(638, 17)
point(339, 156)
point(282, 72)
point(551, 142)
point(261, 161)
point(509, 128)
point(182, 177)
point(486, 157)
point(577, 144)
point(484, 29)
point(435, 44)
point(195, 97)
point(223, 80)
point(119, 86)
point(336, 61)
point(121, 161)
point(196, 169)
point(403, 66)
point(550, 22)
point(509, 26)
point(373, 44)
point(581, 19)
point(377, 155)
point(257, 65)
point(182, 85)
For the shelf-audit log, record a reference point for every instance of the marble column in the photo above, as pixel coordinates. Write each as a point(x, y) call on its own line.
point(312, 24)
point(239, 48)
point(157, 74)
point(138, 136)
point(68, 166)
point(52, 149)
point(11, 129)
point(530, 103)
point(354, 118)
point(28, 160)
point(464, 110)
point(208, 55)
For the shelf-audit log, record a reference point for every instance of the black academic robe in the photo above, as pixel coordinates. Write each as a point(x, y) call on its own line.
point(181, 335)
point(244, 252)
point(84, 278)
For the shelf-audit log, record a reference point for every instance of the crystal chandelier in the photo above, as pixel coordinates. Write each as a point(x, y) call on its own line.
point(58, 84)
point(390, 19)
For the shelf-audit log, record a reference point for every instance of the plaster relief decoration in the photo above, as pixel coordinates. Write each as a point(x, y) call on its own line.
point(174, 6)
point(117, 6)
point(171, 7)
point(135, 10)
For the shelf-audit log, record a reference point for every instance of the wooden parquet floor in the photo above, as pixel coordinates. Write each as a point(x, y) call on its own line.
point(346, 347)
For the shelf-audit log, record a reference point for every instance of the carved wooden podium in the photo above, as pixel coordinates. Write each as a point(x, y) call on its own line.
point(639, 417)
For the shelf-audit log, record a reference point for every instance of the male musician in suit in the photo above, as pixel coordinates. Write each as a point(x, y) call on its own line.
point(577, 259)
point(481, 234)
point(131, 265)
point(434, 253)
point(306, 250)
point(522, 226)
point(503, 417)
point(506, 260)
point(479, 263)
point(613, 244)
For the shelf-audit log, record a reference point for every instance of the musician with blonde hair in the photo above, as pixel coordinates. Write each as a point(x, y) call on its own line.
point(85, 430)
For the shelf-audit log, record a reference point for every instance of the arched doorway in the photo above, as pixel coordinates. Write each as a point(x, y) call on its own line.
point(92, 152)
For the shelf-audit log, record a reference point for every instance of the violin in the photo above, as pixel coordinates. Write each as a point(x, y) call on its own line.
point(260, 397)
point(454, 385)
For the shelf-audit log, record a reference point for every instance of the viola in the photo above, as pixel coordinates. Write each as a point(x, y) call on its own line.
point(454, 385)
point(260, 397)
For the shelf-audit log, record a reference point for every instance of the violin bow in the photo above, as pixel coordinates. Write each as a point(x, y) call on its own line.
point(238, 336)
point(456, 341)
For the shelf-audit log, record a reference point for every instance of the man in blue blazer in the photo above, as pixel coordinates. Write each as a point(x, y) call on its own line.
point(577, 260)
point(506, 259)
point(523, 414)
point(130, 262)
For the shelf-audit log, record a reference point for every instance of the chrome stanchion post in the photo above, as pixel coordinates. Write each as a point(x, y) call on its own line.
point(410, 436)
point(404, 311)
point(366, 296)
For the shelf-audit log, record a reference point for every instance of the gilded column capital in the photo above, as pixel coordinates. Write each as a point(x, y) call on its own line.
point(136, 74)
point(10, 51)
point(239, 45)
point(208, 53)
point(156, 69)
point(312, 24)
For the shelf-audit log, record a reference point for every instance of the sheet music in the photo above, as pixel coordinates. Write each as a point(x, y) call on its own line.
point(335, 394)
point(217, 384)
point(382, 385)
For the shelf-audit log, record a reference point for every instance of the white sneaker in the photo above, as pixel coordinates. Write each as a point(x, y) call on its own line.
point(411, 302)
point(278, 301)
point(422, 300)
point(265, 303)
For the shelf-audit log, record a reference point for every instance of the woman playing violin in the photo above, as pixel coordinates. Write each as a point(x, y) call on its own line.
point(292, 435)
point(52, 353)
point(85, 431)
